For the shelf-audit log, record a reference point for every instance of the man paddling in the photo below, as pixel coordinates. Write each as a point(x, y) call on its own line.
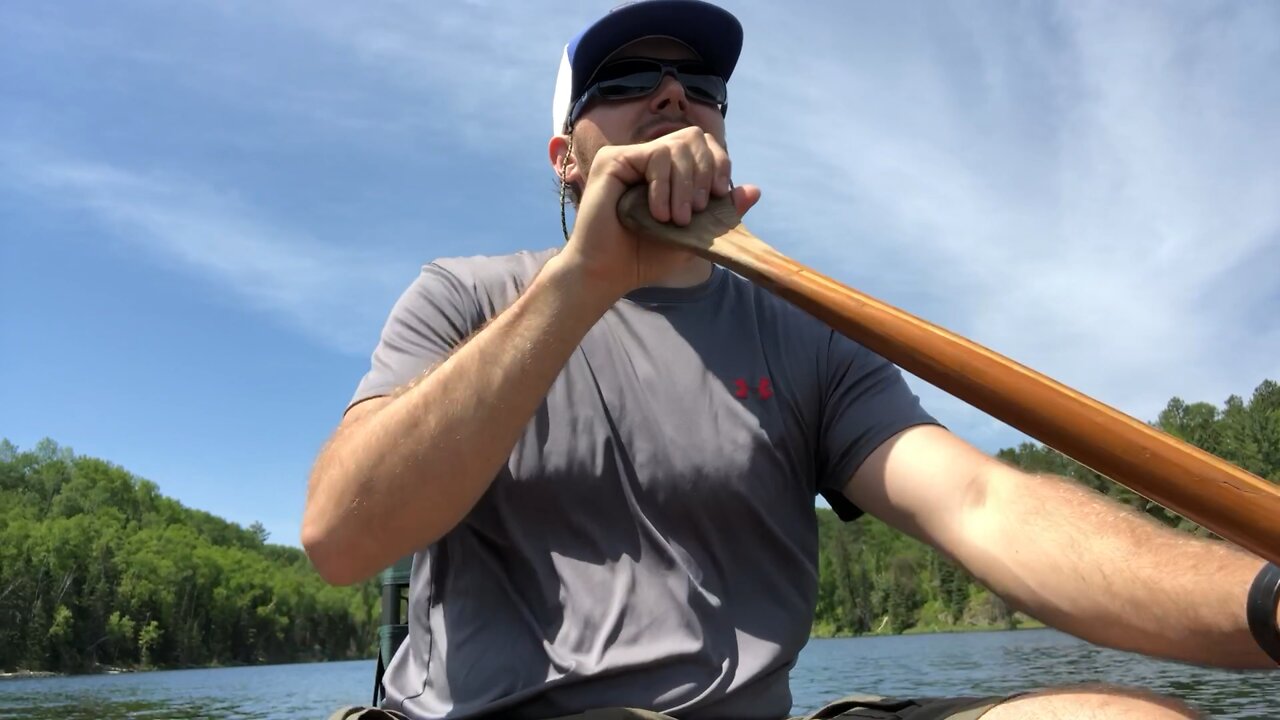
point(604, 455)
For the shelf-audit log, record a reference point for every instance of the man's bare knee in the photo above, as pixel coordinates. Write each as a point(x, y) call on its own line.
point(1094, 702)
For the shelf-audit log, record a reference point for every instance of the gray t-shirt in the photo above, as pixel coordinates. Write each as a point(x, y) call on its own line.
point(652, 540)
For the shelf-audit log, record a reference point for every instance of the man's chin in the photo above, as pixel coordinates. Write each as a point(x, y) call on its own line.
point(650, 134)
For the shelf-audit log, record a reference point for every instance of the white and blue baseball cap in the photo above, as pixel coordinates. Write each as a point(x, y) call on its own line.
point(710, 31)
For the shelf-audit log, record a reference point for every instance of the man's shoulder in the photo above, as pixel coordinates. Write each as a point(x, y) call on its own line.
point(486, 283)
point(489, 269)
point(770, 310)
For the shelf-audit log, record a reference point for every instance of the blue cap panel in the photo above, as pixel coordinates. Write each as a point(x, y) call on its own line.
point(712, 32)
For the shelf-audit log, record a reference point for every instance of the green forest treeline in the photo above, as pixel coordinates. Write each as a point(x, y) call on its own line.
point(97, 568)
point(874, 579)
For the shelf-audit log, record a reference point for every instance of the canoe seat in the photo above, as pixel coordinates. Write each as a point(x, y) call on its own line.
point(393, 626)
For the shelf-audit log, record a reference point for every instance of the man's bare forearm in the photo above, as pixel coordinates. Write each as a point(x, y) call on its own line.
point(1097, 569)
point(401, 477)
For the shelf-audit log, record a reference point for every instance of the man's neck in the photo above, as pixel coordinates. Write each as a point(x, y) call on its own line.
point(694, 272)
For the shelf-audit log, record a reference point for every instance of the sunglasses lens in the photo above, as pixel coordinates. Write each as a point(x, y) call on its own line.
point(631, 85)
point(706, 88)
point(701, 84)
point(635, 77)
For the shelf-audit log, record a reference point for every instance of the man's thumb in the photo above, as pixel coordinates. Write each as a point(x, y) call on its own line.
point(744, 197)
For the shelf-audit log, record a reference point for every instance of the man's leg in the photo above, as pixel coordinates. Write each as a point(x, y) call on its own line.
point(360, 712)
point(1081, 702)
point(618, 713)
point(1093, 702)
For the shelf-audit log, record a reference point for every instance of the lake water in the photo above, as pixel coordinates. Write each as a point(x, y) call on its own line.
point(968, 663)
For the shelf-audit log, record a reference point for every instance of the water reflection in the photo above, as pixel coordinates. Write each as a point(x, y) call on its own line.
point(278, 692)
point(977, 663)
point(1000, 663)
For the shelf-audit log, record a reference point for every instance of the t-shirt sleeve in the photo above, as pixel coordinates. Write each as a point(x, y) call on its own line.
point(434, 315)
point(866, 402)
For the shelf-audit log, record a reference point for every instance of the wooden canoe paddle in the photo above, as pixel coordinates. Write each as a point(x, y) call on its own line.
point(1237, 505)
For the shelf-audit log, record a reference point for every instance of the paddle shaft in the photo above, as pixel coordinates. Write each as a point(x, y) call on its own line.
point(1229, 501)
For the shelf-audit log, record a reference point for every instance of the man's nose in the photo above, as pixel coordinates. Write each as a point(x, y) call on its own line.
point(669, 95)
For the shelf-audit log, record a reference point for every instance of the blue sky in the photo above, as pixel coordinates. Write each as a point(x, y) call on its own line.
point(206, 209)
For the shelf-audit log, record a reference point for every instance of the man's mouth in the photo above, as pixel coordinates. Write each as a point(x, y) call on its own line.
point(662, 128)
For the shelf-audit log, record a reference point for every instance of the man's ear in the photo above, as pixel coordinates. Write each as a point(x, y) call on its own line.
point(562, 160)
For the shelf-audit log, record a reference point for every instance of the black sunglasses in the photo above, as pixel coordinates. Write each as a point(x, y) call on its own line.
point(636, 77)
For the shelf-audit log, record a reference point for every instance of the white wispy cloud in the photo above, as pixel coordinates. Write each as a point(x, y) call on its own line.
point(479, 73)
point(1084, 187)
point(320, 288)
point(1087, 187)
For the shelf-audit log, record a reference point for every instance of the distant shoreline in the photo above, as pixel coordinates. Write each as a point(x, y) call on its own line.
point(27, 674)
point(23, 674)
point(1022, 624)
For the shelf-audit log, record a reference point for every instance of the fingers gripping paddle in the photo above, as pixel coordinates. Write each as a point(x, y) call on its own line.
point(1235, 504)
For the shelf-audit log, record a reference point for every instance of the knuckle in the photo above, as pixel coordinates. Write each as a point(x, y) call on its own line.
point(610, 160)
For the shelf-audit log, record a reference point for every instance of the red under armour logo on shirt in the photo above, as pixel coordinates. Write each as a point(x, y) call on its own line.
point(763, 389)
